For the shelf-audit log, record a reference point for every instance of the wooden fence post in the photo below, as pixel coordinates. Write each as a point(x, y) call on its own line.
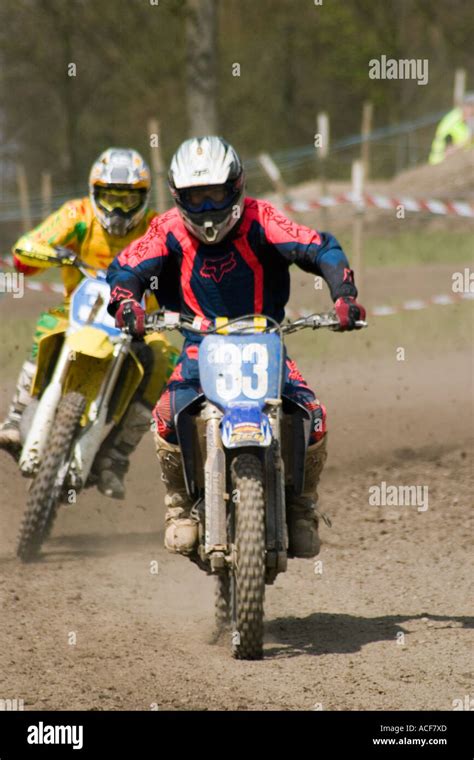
point(357, 177)
point(459, 87)
point(322, 153)
point(157, 166)
point(274, 175)
point(46, 194)
point(24, 197)
point(366, 129)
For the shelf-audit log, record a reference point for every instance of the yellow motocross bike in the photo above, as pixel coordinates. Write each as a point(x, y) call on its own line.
point(86, 377)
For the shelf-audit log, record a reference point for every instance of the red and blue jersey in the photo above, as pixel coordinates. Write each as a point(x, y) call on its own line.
point(247, 272)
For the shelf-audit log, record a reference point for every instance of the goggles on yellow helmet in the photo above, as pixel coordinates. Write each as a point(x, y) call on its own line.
point(125, 200)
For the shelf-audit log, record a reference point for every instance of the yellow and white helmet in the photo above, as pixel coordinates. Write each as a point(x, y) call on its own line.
point(119, 189)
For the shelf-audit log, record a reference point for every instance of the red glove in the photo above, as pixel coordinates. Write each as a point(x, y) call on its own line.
point(348, 312)
point(130, 315)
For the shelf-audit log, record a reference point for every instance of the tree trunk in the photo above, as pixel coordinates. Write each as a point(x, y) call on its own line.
point(201, 45)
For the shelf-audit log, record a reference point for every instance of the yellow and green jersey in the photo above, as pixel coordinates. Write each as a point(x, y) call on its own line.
point(75, 226)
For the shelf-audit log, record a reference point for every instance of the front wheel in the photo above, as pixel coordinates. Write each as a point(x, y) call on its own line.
point(248, 582)
point(223, 602)
point(45, 492)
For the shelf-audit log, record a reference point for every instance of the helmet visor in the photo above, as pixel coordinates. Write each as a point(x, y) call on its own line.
point(207, 198)
point(124, 200)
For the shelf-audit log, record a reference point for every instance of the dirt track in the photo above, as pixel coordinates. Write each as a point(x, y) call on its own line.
point(384, 626)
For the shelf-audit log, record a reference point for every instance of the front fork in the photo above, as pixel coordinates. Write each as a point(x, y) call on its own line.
point(275, 508)
point(216, 543)
point(91, 437)
point(215, 536)
point(42, 423)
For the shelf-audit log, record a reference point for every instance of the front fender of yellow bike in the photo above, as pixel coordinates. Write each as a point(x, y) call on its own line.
point(90, 353)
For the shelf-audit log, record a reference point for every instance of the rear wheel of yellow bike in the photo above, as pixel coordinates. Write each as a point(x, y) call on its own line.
point(45, 493)
point(248, 581)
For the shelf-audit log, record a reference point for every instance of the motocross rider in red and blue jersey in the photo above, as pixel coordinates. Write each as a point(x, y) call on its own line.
point(231, 256)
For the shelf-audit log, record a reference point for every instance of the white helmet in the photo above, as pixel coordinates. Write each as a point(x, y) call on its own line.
point(119, 188)
point(206, 180)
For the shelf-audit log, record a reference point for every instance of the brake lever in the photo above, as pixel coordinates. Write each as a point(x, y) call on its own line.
point(66, 256)
point(324, 320)
point(360, 323)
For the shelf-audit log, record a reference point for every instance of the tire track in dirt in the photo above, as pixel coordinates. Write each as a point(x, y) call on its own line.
point(386, 625)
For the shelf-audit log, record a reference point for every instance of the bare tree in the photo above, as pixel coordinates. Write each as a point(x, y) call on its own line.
point(201, 63)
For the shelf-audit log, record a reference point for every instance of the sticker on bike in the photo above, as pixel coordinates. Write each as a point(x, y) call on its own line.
point(243, 370)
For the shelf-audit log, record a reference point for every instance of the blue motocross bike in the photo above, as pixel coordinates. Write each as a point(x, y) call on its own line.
point(243, 443)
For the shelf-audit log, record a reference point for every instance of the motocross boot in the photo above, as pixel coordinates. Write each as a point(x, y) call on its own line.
point(10, 427)
point(302, 514)
point(181, 530)
point(112, 461)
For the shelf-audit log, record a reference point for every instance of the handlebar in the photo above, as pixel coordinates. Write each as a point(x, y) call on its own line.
point(57, 255)
point(249, 323)
point(66, 257)
point(163, 320)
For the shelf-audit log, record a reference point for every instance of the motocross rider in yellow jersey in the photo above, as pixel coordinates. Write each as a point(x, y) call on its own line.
point(96, 229)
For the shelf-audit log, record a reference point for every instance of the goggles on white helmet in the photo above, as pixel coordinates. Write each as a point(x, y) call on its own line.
point(207, 183)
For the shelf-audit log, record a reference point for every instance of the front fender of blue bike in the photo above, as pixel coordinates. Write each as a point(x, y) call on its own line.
point(245, 424)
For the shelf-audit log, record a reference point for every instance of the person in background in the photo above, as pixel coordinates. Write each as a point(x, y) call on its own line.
point(455, 131)
point(96, 228)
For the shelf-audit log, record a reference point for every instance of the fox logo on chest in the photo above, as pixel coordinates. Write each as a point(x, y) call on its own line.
point(216, 268)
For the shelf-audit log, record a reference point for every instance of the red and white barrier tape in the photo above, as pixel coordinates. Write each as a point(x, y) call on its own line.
point(456, 208)
point(44, 287)
point(376, 311)
point(442, 299)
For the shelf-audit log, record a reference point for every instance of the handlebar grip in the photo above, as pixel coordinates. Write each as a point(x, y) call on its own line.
point(65, 255)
